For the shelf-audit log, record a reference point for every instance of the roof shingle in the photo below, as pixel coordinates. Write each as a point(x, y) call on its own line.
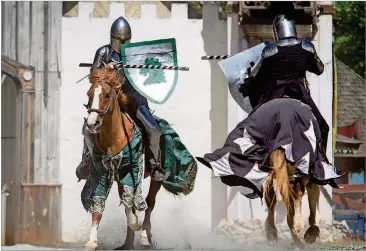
point(351, 101)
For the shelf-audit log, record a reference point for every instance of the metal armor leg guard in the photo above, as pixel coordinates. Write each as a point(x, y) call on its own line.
point(154, 131)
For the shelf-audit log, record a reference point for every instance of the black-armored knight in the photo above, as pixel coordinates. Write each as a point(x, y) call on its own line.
point(282, 71)
point(138, 107)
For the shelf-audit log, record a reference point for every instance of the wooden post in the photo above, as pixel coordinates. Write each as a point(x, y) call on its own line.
point(37, 60)
point(53, 90)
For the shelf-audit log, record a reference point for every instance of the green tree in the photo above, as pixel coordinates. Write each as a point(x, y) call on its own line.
point(350, 35)
point(155, 76)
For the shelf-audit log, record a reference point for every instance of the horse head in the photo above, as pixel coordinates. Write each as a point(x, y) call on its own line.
point(103, 97)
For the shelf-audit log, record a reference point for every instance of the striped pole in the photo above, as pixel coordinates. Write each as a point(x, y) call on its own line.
point(156, 67)
point(215, 57)
point(143, 66)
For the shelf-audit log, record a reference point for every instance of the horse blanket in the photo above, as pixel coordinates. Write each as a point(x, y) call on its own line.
point(280, 123)
point(126, 168)
point(178, 163)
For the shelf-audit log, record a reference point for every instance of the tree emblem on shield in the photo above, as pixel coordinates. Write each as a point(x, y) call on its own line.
point(156, 85)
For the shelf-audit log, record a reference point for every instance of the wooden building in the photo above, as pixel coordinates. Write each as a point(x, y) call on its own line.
point(350, 148)
point(250, 23)
point(30, 101)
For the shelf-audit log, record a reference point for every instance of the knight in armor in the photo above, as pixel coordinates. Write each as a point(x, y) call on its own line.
point(282, 71)
point(283, 117)
point(138, 108)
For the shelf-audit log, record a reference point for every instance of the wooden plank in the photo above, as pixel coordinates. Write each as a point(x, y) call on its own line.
point(26, 129)
point(70, 8)
point(53, 128)
point(37, 36)
point(347, 217)
point(9, 154)
point(346, 188)
point(132, 9)
point(9, 30)
point(360, 229)
point(37, 60)
point(23, 32)
point(361, 213)
point(39, 138)
point(54, 35)
point(41, 214)
point(101, 9)
point(348, 203)
point(53, 90)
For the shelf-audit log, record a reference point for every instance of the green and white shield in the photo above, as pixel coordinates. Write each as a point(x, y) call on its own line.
point(154, 84)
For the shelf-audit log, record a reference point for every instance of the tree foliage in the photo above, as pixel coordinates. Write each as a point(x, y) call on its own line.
point(350, 34)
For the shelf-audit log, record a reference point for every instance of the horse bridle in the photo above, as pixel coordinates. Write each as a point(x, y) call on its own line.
point(107, 108)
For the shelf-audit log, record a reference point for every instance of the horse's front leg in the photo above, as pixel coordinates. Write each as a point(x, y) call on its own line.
point(92, 243)
point(145, 236)
point(130, 236)
point(132, 219)
point(294, 217)
point(313, 232)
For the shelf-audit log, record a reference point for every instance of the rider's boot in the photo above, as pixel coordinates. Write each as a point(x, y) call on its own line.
point(154, 133)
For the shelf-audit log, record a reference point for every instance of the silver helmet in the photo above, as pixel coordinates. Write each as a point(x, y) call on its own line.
point(283, 28)
point(120, 33)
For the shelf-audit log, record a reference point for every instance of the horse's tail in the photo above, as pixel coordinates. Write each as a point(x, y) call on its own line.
point(279, 165)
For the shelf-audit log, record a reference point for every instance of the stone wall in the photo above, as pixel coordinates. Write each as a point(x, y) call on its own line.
point(189, 110)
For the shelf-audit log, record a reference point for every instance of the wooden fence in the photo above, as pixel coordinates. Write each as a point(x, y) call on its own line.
point(349, 204)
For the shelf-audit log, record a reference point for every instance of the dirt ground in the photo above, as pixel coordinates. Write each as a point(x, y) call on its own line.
point(282, 245)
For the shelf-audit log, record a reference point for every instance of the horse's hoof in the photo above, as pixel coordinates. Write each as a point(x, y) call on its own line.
point(312, 234)
point(271, 237)
point(271, 234)
point(272, 241)
point(125, 247)
point(145, 239)
point(297, 246)
point(90, 246)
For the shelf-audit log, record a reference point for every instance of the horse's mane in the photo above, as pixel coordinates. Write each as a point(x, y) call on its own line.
point(104, 75)
point(113, 78)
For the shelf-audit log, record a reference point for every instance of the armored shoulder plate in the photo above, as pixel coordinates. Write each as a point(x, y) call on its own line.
point(288, 42)
point(270, 50)
point(308, 46)
point(102, 51)
point(101, 56)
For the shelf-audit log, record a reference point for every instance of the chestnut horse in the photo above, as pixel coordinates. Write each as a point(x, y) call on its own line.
point(113, 133)
point(291, 190)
